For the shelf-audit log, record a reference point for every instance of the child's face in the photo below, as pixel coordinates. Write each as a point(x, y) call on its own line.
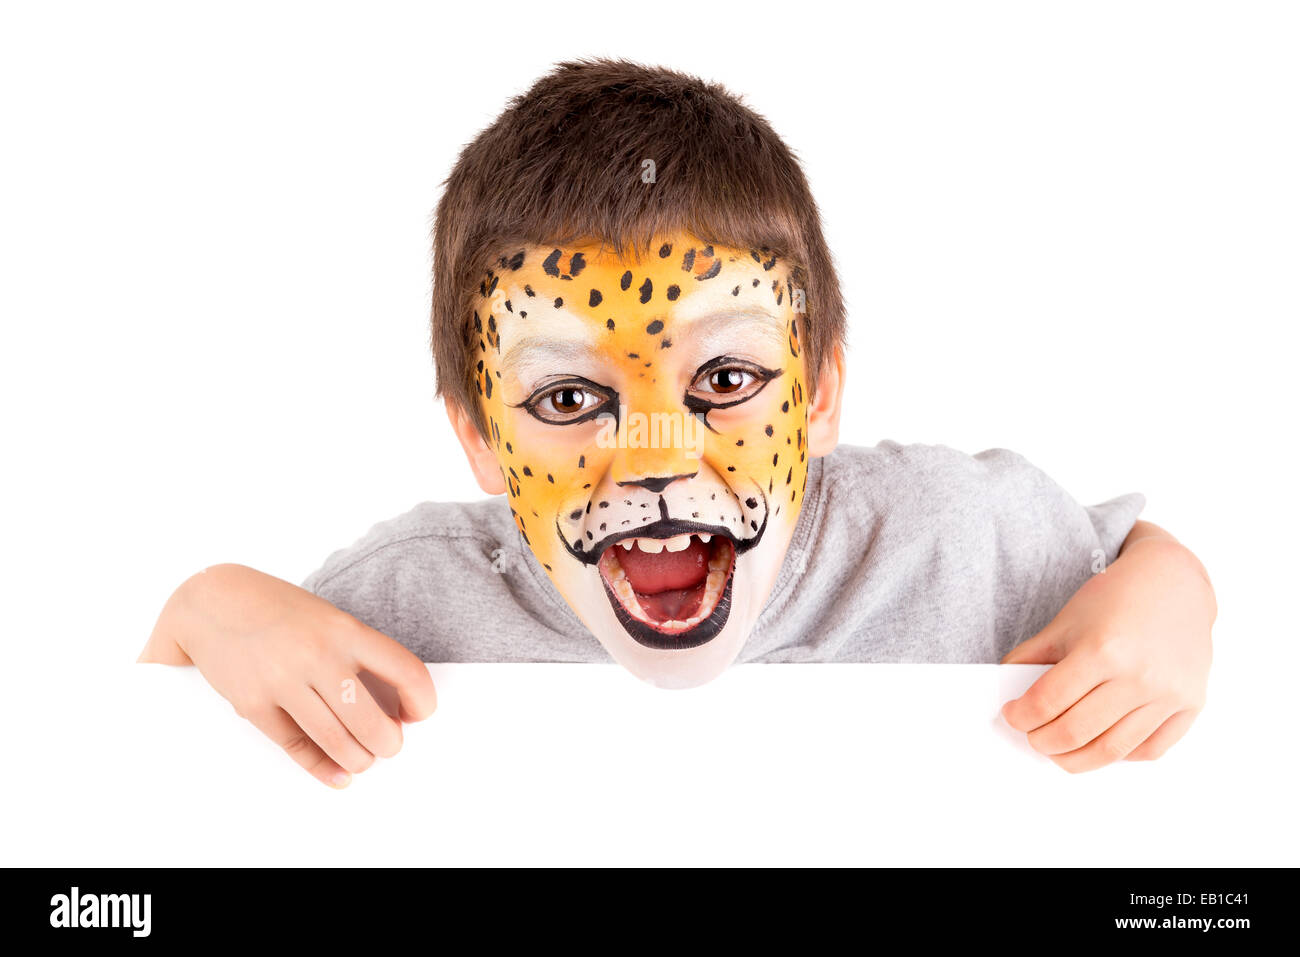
point(650, 421)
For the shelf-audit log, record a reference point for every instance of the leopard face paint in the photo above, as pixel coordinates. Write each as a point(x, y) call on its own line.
point(650, 420)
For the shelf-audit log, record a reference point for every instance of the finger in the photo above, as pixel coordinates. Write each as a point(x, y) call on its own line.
point(398, 666)
point(276, 724)
point(1165, 736)
point(1118, 742)
point(1042, 649)
point(1055, 691)
point(324, 727)
point(1087, 718)
point(352, 703)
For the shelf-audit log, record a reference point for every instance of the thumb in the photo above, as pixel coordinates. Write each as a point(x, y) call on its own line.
point(1042, 649)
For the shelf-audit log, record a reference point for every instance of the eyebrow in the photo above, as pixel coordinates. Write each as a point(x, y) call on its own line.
point(541, 351)
point(535, 355)
point(718, 329)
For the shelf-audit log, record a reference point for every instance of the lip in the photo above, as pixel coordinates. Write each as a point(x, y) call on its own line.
point(701, 633)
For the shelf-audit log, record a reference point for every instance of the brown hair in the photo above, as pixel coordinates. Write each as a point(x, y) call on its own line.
point(563, 164)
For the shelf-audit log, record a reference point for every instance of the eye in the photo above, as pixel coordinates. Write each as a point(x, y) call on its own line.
point(726, 381)
point(567, 402)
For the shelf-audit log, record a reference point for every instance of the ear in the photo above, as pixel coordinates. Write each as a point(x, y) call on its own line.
point(481, 457)
point(824, 412)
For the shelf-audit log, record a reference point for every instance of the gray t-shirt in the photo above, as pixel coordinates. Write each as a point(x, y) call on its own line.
point(902, 553)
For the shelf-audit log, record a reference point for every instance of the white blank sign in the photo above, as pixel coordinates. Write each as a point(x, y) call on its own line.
point(583, 764)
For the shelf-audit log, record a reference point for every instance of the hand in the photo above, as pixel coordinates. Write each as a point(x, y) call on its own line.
point(293, 665)
point(1132, 655)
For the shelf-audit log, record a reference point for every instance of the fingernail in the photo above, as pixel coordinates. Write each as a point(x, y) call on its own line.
point(340, 779)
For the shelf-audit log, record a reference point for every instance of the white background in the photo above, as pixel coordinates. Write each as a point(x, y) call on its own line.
point(1069, 230)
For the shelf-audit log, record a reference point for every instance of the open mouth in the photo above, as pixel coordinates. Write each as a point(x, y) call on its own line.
point(670, 593)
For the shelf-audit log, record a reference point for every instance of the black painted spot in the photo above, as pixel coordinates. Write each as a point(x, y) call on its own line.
point(487, 386)
point(751, 502)
point(655, 327)
point(645, 290)
point(528, 471)
point(674, 292)
point(576, 264)
point(582, 461)
point(736, 291)
point(712, 271)
point(688, 260)
point(559, 303)
point(550, 265)
point(575, 514)
point(768, 430)
point(528, 291)
point(665, 250)
point(625, 281)
point(785, 406)
point(665, 344)
point(595, 299)
point(609, 324)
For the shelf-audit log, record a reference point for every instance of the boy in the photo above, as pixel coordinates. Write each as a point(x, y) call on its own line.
point(638, 334)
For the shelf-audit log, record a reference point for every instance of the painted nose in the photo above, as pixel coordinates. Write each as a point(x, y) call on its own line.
point(658, 483)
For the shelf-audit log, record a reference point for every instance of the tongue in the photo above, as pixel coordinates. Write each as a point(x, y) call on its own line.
point(676, 603)
point(650, 574)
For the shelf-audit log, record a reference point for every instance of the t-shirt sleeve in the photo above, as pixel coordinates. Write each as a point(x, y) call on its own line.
point(1047, 544)
point(453, 581)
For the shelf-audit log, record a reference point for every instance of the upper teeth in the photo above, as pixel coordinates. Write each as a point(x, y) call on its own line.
point(653, 546)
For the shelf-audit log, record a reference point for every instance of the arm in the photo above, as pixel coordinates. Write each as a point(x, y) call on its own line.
point(293, 665)
point(1131, 653)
